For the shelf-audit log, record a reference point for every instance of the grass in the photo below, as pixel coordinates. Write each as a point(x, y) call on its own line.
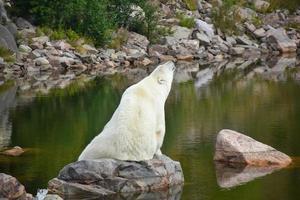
point(118, 39)
point(188, 22)
point(291, 5)
point(7, 55)
point(191, 4)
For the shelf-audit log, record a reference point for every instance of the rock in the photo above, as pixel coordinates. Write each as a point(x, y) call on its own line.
point(232, 175)
point(15, 151)
point(245, 13)
point(156, 50)
point(185, 57)
point(261, 5)
point(179, 33)
point(231, 40)
point(7, 40)
point(146, 62)
point(12, 28)
point(259, 33)
point(164, 58)
point(278, 39)
point(3, 14)
point(89, 49)
point(237, 50)
point(244, 40)
point(234, 147)
point(11, 188)
point(250, 27)
point(207, 28)
point(41, 39)
point(137, 40)
point(24, 48)
point(52, 197)
point(41, 61)
point(23, 24)
point(203, 38)
point(105, 177)
point(62, 45)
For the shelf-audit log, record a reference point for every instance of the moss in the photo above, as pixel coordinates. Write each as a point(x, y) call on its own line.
point(7, 55)
point(191, 4)
point(257, 21)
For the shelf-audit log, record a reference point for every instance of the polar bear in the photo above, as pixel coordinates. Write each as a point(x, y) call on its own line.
point(137, 128)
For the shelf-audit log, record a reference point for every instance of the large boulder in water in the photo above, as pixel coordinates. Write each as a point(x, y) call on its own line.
point(235, 147)
point(115, 179)
point(7, 40)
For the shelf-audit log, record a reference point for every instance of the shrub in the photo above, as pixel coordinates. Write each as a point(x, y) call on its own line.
point(96, 19)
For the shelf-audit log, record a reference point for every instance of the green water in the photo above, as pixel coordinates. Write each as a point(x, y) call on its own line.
point(55, 129)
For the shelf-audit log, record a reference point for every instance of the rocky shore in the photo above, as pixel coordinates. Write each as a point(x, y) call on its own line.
point(42, 64)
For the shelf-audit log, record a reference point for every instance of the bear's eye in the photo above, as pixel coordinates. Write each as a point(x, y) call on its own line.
point(161, 81)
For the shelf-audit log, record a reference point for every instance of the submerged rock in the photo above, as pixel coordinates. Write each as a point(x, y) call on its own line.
point(235, 147)
point(109, 177)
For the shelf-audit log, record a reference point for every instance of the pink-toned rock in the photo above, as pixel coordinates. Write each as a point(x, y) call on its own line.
point(15, 151)
point(235, 147)
point(11, 188)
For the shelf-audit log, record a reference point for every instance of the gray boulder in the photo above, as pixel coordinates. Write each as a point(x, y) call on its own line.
point(111, 179)
point(7, 40)
point(234, 147)
point(278, 39)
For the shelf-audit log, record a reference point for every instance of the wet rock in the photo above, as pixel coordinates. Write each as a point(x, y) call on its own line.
point(244, 40)
point(15, 151)
point(232, 175)
point(11, 188)
point(52, 197)
point(278, 39)
point(235, 147)
point(105, 177)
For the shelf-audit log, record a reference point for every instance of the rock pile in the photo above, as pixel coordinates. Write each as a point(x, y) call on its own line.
point(115, 179)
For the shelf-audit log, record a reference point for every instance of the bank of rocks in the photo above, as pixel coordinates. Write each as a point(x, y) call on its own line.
point(43, 64)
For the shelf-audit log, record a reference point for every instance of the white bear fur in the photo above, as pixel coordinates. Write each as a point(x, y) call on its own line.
point(137, 127)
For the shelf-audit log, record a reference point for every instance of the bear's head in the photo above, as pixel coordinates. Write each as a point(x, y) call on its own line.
point(163, 75)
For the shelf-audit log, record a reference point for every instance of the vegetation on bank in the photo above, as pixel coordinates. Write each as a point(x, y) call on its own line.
point(225, 13)
point(7, 55)
point(95, 19)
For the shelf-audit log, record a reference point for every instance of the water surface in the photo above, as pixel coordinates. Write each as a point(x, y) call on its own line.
point(55, 128)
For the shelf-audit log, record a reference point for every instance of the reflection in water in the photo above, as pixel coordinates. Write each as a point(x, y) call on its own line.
point(231, 175)
point(247, 97)
point(7, 101)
